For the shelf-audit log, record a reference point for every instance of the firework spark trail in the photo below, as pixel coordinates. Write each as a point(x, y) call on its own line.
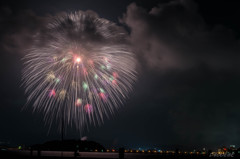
point(80, 68)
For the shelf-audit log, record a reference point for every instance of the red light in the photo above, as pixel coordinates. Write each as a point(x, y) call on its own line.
point(88, 108)
point(115, 74)
point(102, 95)
point(85, 71)
point(52, 93)
point(114, 82)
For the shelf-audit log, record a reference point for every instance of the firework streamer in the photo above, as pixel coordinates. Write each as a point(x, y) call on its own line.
point(80, 69)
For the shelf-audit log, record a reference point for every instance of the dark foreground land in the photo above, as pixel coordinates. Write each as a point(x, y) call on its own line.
point(95, 155)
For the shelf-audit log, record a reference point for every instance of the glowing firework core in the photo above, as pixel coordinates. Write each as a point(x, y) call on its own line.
point(78, 59)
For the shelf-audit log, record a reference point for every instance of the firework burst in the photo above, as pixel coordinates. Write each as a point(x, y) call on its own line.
point(79, 69)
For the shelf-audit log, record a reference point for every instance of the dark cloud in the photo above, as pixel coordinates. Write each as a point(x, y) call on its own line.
point(189, 71)
point(18, 29)
point(174, 35)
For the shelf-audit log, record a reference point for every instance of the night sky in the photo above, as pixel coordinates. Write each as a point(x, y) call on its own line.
point(188, 87)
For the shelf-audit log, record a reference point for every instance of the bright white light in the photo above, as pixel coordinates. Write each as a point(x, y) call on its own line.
point(78, 59)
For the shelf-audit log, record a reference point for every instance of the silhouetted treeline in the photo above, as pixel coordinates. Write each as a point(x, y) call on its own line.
point(69, 145)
